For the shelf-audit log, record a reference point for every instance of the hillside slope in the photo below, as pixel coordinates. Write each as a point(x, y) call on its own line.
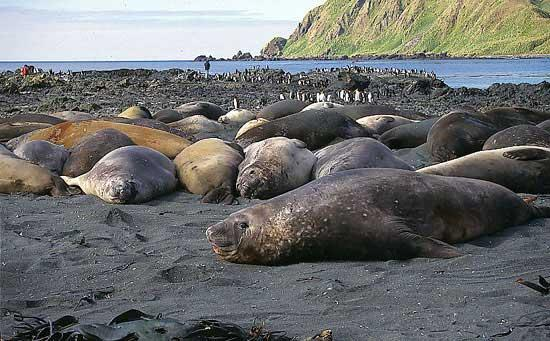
point(457, 27)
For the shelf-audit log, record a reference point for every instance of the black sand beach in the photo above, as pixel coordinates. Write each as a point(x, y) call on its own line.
point(155, 257)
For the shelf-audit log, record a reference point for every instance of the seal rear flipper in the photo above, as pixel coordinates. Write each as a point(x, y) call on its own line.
point(527, 154)
point(426, 247)
point(61, 188)
point(220, 195)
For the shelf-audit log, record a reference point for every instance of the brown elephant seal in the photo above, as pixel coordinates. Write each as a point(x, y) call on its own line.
point(237, 116)
point(136, 111)
point(249, 125)
point(317, 128)
point(43, 153)
point(359, 111)
point(209, 168)
point(521, 135)
point(359, 152)
point(89, 150)
point(522, 169)
point(457, 134)
point(168, 116)
point(379, 124)
point(281, 109)
point(544, 125)
point(206, 109)
point(128, 175)
point(274, 166)
point(408, 135)
point(149, 123)
point(69, 134)
point(369, 214)
point(21, 124)
point(73, 116)
point(20, 176)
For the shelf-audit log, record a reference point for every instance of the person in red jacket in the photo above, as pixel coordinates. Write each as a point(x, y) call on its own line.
point(24, 70)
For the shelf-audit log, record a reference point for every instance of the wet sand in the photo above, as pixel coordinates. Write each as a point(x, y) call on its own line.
point(155, 257)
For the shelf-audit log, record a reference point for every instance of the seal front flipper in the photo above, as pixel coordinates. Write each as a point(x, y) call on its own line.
point(527, 154)
point(220, 195)
point(426, 247)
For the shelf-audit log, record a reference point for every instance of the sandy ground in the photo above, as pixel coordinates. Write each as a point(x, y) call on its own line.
point(155, 258)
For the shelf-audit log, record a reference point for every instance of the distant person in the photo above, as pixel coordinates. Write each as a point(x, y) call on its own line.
point(207, 68)
point(24, 71)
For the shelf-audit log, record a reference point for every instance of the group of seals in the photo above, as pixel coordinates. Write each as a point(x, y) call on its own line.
point(369, 214)
point(20, 176)
point(128, 175)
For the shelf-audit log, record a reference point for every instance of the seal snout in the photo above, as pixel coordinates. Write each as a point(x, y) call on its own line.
point(123, 192)
point(218, 236)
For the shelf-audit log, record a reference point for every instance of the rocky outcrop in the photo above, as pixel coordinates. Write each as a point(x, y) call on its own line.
point(274, 48)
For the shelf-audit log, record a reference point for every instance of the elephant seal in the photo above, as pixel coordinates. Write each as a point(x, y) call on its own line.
point(206, 109)
point(20, 176)
point(379, 124)
point(73, 116)
point(281, 109)
point(457, 134)
point(369, 214)
point(322, 105)
point(317, 128)
point(136, 111)
point(359, 111)
point(89, 150)
point(149, 123)
point(522, 169)
point(168, 116)
point(359, 152)
point(544, 125)
point(237, 116)
point(70, 133)
point(128, 175)
point(504, 117)
point(21, 124)
point(417, 157)
point(43, 153)
point(197, 124)
point(209, 168)
point(274, 166)
point(522, 135)
point(249, 125)
point(408, 135)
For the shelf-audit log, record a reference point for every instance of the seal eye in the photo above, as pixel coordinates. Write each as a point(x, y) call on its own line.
point(243, 226)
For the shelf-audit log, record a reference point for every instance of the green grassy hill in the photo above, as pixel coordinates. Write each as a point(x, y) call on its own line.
point(457, 27)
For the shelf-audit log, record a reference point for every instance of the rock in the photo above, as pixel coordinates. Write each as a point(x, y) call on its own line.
point(274, 48)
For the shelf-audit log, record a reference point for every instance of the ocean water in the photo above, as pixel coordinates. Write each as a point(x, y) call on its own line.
point(474, 73)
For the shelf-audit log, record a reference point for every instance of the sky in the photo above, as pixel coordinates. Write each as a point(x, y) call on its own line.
point(88, 30)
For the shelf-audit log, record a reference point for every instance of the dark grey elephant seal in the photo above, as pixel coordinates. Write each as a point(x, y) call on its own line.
point(457, 134)
point(521, 135)
point(274, 166)
point(168, 116)
point(128, 175)
point(522, 169)
point(504, 117)
point(359, 152)
point(88, 151)
point(21, 124)
point(206, 109)
point(417, 157)
point(281, 109)
point(43, 153)
point(408, 135)
point(367, 214)
point(317, 128)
